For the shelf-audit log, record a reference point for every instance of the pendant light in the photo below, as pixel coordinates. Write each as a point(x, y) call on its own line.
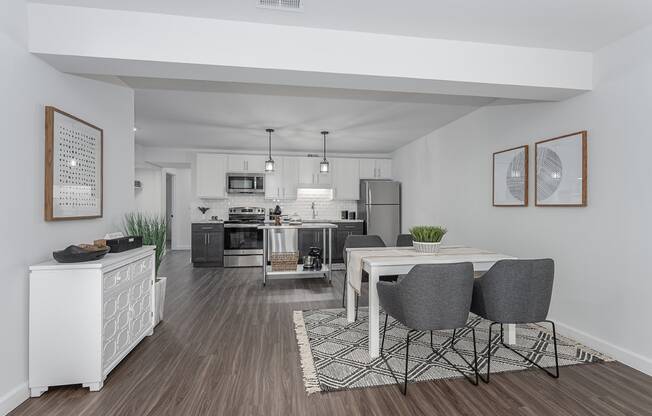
point(269, 164)
point(323, 166)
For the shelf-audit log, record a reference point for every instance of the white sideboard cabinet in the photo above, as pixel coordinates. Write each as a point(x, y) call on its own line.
point(84, 318)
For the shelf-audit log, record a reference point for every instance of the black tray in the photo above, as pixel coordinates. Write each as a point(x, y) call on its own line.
point(118, 245)
point(76, 254)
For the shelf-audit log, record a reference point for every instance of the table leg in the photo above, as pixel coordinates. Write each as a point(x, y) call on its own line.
point(350, 302)
point(374, 315)
point(264, 256)
point(330, 255)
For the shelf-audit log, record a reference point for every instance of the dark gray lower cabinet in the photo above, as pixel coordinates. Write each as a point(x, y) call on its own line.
point(314, 238)
point(344, 229)
point(207, 245)
point(311, 238)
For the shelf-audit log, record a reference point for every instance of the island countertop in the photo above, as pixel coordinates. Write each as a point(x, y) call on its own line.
point(305, 225)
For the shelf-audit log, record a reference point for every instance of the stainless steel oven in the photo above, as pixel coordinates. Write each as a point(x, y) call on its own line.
point(243, 241)
point(245, 183)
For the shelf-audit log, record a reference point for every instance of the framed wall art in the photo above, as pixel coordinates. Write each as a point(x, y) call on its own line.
point(510, 177)
point(73, 167)
point(561, 171)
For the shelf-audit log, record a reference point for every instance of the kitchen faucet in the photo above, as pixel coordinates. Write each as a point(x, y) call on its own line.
point(314, 212)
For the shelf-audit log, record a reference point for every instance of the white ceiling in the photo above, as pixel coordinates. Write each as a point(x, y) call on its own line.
point(198, 114)
point(584, 25)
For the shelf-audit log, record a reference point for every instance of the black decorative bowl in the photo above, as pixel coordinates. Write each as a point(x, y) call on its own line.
point(76, 254)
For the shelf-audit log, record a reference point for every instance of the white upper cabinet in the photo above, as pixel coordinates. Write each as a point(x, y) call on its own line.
point(282, 183)
point(384, 168)
point(290, 177)
point(274, 181)
point(246, 163)
point(309, 172)
point(210, 175)
point(346, 179)
point(375, 168)
point(367, 168)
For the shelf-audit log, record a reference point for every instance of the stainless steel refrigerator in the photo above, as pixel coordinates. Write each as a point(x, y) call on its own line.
point(380, 207)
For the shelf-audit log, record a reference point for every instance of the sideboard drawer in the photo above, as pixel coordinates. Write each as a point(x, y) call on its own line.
point(142, 267)
point(116, 277)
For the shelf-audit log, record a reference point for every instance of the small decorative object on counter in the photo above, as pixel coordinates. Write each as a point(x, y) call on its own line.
point(295, 219)
point(80, 253)
point(203, 211)
point(427, 238)
point(344, 215)
point(276, 215)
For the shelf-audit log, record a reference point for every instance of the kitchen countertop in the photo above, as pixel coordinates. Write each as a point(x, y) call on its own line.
point(208, 222)
point(319, 220)
point(305, 225)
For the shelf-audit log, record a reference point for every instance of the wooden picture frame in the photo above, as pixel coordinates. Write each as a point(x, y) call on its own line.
point(74, 167)
point(558, 162)
point(510, 177)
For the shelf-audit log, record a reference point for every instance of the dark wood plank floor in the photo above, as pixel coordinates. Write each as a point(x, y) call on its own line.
point(227, 347)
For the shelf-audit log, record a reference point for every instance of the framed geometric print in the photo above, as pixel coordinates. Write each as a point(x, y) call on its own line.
point(561, 171)
point(73, 167)
point(510, 177)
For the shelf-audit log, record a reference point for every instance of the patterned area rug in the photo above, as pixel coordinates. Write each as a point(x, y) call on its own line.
point(334, 354)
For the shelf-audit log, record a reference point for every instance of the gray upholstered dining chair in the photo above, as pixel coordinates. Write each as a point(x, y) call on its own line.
point(431, 297)
point(515, 292)
point(361, 241)
point(404, 240)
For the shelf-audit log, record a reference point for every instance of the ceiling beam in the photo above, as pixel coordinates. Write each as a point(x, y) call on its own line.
point(127, 43)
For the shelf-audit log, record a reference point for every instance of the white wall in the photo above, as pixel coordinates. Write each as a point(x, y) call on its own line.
point(183, 195)
point(28, 84)
point(602, 282)
point(148, 198)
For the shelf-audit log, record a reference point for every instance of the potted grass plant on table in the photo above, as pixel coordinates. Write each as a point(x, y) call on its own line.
point(153, 229)
point(427, 238)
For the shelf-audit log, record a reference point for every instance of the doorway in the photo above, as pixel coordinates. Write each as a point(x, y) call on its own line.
point(169, 207)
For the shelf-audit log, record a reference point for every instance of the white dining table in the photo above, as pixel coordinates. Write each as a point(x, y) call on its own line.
point(376, 265)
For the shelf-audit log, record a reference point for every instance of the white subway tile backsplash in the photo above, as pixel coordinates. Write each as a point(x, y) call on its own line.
point(325, 209)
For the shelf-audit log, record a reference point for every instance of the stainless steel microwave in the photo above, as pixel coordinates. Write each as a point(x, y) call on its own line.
point(245, 183)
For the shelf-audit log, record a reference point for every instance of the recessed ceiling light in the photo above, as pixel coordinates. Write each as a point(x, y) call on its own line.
point(289, 5)
point(135, 129)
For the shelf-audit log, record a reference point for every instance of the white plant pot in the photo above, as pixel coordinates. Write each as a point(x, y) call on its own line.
point(159, 299)
point(426, 247)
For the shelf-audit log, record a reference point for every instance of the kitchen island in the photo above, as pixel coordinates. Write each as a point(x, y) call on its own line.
point(283, 238)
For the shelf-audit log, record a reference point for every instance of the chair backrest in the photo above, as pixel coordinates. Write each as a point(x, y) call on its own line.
point(436, 296)
point(517, 291)
point(404, 240)
point(361, 241)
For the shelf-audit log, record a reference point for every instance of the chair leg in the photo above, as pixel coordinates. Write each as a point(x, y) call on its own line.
point(473, 366)
point(554, 340)
point(357, 301)
point(344, 292)
point(486, 380)
point(382, 344)
point(407, 348)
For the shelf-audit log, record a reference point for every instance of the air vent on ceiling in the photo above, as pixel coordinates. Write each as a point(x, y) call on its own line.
point(291, 5)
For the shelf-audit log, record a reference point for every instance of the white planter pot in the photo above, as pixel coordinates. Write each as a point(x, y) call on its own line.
point(159, 299)
point(426, 247)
